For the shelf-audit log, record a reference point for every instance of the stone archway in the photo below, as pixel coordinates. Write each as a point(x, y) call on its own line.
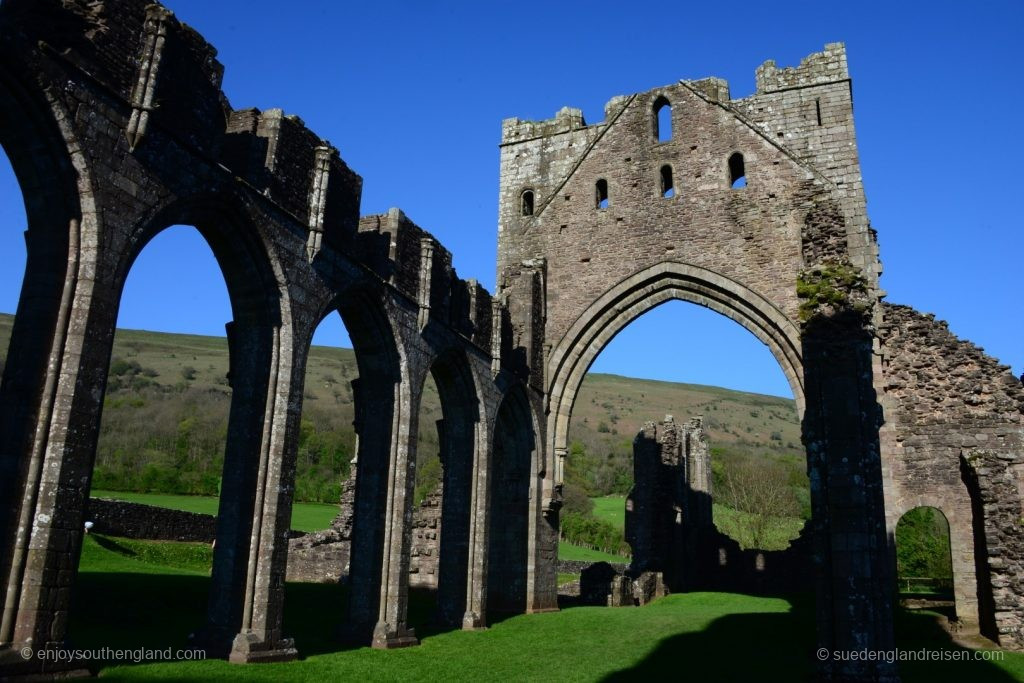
point(641, 292)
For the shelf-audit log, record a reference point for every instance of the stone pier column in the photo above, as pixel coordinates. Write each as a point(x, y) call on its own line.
point(374, 399)
point(841, 432)
point(53, 456)
point(250, 348)
point(479, 522)
point(391, 630)
point(542, 543)
point(260, 637)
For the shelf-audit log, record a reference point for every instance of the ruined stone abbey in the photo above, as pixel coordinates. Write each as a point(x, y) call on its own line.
point(115, 124)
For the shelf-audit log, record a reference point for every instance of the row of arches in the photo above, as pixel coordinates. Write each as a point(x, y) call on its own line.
point(55, 380)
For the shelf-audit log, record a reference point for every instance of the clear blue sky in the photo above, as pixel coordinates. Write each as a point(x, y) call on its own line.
point(413, 95)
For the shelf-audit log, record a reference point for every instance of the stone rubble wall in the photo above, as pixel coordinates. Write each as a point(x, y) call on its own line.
point(426, 541)
point(136, 520)
point(955, 431)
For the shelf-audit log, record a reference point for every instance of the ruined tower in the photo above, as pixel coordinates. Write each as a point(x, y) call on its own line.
point(670, 502)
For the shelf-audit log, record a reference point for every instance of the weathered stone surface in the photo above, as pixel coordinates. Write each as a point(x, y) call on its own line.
point(669, 507)
point(621, 217)
point(956, 443)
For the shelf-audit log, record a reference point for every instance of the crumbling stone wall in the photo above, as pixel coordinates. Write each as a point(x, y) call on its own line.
point(669, 524)
point(426, 541)
point(955, 441)
point(669, 506)
point(323, 556)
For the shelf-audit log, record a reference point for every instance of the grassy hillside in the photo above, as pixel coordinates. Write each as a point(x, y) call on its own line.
point(165, 417)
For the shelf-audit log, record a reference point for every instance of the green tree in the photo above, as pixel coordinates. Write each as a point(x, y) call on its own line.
point(922, 544)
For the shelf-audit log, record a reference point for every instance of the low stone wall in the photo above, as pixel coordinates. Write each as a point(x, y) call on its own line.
point(320, 557)
point(723, 566)
point(577, 566)
point(136, 520)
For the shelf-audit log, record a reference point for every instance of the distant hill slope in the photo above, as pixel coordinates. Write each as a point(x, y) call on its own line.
point(165, 417)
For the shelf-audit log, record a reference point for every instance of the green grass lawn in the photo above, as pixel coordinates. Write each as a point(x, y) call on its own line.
point(305, 516)
point(611, 509)
point(568, 551)
point(564, 578)
point(128, 596)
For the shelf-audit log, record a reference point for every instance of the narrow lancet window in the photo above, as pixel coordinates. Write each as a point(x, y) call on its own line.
point(601, 194)
point(527, 203)
point(668, 189)
point(662, 120)
point(737, 173)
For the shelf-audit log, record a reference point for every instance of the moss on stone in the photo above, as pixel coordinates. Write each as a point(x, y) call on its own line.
point(831, 285)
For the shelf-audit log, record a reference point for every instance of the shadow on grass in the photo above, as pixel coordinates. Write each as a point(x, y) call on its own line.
point(132, 610)
point(781, 647)
point(315, 612)
point(108, 543)
point(123, 610)
point(738, 647)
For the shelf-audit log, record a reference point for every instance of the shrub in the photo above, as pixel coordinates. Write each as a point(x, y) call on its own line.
point(575, 499)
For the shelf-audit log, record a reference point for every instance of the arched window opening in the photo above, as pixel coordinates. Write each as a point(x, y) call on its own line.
point(601, 193)
point(526, 205)
point(327, 438)
point(442, 504)
point(667, 186)
point(662, 120)
point(173, 434)
point(348, 409)
point(508, 540)
point(737, 173)
point(12, 244)
point(924, 567)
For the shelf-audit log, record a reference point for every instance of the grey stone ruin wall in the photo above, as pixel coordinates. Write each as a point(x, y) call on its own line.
point(426, 541)
point(323, 556)
point(669, 506)
point(669, 523)
point(956, 439)
point(792, 257)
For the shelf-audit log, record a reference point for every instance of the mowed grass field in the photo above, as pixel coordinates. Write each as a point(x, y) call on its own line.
point(611, 509)
point(305, 516)
point(568, 551)
point(133, 594)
